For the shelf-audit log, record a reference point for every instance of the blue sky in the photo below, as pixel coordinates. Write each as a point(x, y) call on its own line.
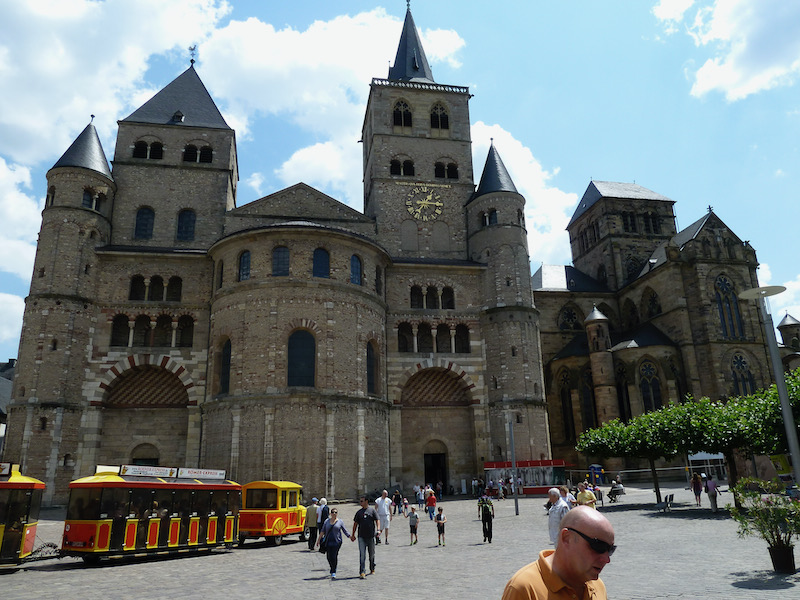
point(696, 100)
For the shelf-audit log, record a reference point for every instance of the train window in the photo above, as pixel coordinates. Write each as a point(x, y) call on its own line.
point(219, 502)
point(262, 499)
point(182, 503)
point(234, 501)
point(162, 503)
point(84, 504)
point(292, 499)
point(114, 503)
point(283, 499)
point(4, 494)
point(141, 503)
point(202, 503)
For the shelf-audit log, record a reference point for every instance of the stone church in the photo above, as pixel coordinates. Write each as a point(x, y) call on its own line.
point(294, 337)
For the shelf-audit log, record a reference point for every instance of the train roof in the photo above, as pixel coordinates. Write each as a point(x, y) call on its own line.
point(112, 479)
point(272, 484)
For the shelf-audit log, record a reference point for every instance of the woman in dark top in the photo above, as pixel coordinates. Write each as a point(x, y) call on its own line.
point(397, 500)
point(332, 534)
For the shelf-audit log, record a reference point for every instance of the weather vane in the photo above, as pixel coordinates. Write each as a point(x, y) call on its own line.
point(192, 50)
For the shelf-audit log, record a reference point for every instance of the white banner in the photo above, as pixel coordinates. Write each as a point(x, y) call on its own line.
point(145, 471)
point(5, 468)
point(201, 473)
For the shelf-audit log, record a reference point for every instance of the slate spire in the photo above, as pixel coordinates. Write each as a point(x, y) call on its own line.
point(410, 64)
point(495, 177)
point(86, 152)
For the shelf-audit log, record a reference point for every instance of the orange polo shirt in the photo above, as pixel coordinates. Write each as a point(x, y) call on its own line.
point(537, 581)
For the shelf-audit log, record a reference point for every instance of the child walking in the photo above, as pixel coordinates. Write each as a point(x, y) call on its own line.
point(413, 521)
point(440, 521)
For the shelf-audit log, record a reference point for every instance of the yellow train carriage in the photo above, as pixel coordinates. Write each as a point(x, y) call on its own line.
point(20, 501)
point(272, 510)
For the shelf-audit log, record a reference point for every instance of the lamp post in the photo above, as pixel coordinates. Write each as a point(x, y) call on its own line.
point(515, 485)
point(759, 294)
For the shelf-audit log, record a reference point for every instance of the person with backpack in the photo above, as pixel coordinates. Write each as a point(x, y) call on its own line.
point(486, 514)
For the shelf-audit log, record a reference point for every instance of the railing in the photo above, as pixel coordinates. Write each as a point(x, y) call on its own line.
point(418, 85)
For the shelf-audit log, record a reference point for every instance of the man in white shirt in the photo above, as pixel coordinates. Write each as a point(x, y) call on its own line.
point(556, 512)
point(383, 506)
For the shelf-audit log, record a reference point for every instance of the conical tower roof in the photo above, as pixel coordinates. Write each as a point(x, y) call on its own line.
point(184, 101)
point(595, 315)
point(86, 152)
point(495, 177)
point(410, 64)
point(788, 321)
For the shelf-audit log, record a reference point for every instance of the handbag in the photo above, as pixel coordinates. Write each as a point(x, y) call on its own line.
point(323, 544)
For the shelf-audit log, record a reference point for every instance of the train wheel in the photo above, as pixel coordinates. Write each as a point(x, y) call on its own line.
point(91, 559)
point(278, 539)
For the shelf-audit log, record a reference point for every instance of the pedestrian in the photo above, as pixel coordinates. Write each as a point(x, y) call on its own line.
point(585, 545)
point(567, 496)
point(365, 526)
point(486, 514)
point(585, 496)
point(440, 521)
point(430, 504)
point(323, 511)
point(383, 506)
point(311, 523)
point(331, 537)
point(696, 484)
point(397, 502)
point(712, 489)
point(439, 488)
point(405, 507)
point(556, 512)
point(413, 522)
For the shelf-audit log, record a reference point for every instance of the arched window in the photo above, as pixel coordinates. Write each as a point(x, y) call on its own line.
point(452, 171)
point(280, 261)
point(88, 199)
point(174, 289)
point(442, 338)
point(439, 117)
point(322, 263)
point(156, 291)
point(355, 270)
point(140, 150)
point(431, 297)
point(302, 358)
point(728, 308)
point(405, 338)
point(120, 331)
point(225, 368)
point(378, 280)
point(206, 154)
point(395, 168)
point(137, 290)
point(141, 331)
point(145, 218)
point(649, 386)
point(653, 304)
point(51, 196)
point(401, 116)
point(744, 383)
point(408, 167)
point(623, 396)
point(156, 151)
point(244, 266)
point(438, 170)
point(493, 217)
point(567, 418)
point(448, 298)
point(190, 153)
point(185, 331)
point(220, 273)
point(462, 339)
point(588, 407)
point(424, 338)
point(372, 368)
point(162, 335)
point(186, 221)
point(417, 300)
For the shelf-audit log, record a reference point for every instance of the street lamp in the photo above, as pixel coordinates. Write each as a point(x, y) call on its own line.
point(759, 294)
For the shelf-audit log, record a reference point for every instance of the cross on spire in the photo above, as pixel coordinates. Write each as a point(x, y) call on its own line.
point(192, 51)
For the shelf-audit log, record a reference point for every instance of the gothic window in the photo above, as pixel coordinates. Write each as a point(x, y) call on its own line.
point(744, 383)
point(632, 267)
point(623, 396)
point(244, 266)
point(424, 338)
point(186, 221)
point(174, 289)
point(649, 386)
point(372, 368)
point(156, 291)
point(401, 115)
point(630, 316)
point(452, 171)
point(280, 261)
point(302, 354)
point(408, 167)
point(493, 217)
point(137, 290)
point(728, 308)
point(567, 418)
point(190, 153)
point(588, 407)
point(355, 270)
point(568, 319)
point(442, 338)
point(417, 300)
point(140, 150)
point(448, 298)
point(405, 338)
point(395, 168)
point(653, 304)
point(225, 368)
point(185, 331)
point(322, 263)
point(141, 331)
point(462, 339)
point(206, 154)
point(162, 335)
point(432, 298)
point(156, 151)
point(119, 331)
point(145, 218)
point(438, 170)
point(439, 117)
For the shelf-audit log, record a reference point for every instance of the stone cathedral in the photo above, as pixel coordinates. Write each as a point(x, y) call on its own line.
point(294, 337)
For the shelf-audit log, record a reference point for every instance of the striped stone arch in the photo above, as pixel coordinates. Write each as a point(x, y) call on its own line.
point(309, 324)
point(440, 363)
point(138, 360)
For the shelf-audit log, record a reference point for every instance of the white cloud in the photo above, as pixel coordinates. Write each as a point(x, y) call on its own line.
point(256, 182)
point(755, 43)
point(441, 45)
point(20, 215)
point(11, 309)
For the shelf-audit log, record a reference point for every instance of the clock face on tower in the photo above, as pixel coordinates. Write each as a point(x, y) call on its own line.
point(424, 203)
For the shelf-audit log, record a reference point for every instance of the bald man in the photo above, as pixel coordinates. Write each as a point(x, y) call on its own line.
point(571, 571)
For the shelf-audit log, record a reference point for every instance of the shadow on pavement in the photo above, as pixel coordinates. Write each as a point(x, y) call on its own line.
point(765, 580)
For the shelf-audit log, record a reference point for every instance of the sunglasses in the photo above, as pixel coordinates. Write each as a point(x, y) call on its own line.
point(598, 546)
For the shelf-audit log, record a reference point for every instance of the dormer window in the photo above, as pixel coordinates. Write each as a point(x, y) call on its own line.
point(177, 117)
